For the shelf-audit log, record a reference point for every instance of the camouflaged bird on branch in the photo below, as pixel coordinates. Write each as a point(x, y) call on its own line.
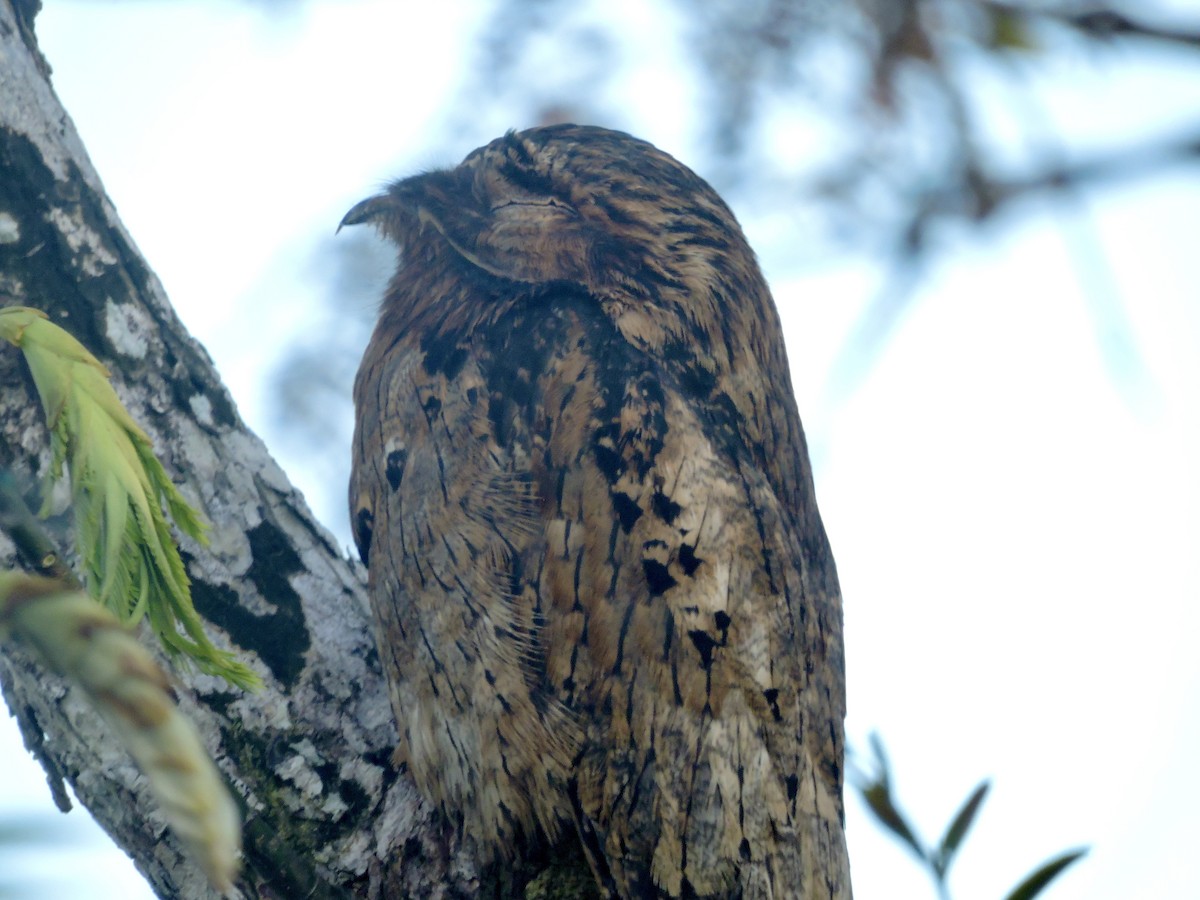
point(604, 597)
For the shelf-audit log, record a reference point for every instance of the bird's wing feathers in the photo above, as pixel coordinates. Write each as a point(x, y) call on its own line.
point(633, 639)
point(449, 514)
point(672, 611)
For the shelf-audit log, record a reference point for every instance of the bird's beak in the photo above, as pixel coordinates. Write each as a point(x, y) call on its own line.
point(366, 210)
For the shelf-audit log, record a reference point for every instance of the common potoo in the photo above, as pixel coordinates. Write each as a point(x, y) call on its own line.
point(605, 601)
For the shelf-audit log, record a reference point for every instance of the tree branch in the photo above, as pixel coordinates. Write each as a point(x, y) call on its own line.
point(327, 813)
point(1102, 23)
point(35, 549)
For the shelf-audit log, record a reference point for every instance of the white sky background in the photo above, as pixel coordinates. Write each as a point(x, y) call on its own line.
point(1016, 535)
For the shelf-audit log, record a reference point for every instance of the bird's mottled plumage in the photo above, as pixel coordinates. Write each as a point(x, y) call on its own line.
point(605, 600)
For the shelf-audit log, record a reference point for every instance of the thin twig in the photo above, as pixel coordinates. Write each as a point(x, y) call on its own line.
point(36, 550)
point(1103, 23)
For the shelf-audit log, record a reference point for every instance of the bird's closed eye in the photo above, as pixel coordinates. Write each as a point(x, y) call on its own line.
point(533, 201)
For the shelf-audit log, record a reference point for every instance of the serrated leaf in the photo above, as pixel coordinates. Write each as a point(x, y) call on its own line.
point(1042, 876)
point(959, 826)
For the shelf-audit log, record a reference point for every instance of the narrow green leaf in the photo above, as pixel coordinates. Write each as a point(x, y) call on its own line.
point(1033, 884)
point(881, 761)
point(879, 800)
point(959, 826)
point(877, 793)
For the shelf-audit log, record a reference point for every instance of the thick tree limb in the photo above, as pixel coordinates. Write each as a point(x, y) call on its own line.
point(327, 814)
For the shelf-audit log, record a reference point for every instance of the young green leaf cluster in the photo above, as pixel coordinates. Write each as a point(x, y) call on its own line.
point(118, 491)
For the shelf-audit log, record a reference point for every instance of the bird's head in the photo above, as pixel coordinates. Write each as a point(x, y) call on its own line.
point(601, 211)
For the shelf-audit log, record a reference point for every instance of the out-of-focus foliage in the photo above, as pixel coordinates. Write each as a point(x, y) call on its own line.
point(869, 127)
point(75, 636)
point(878, 794)
point(871, 109)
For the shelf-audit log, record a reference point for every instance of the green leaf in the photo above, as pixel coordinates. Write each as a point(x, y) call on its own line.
point(877, 793)
point(959, 827)
point(881, 760)
point(1033, 884)
point(118, 489)
point(880, 802)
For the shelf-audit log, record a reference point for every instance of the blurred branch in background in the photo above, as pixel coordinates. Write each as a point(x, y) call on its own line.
point(1100, 22)
point(871, 126)
point(311, 388)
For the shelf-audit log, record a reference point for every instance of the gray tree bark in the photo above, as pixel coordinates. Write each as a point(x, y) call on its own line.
point(327, 814)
